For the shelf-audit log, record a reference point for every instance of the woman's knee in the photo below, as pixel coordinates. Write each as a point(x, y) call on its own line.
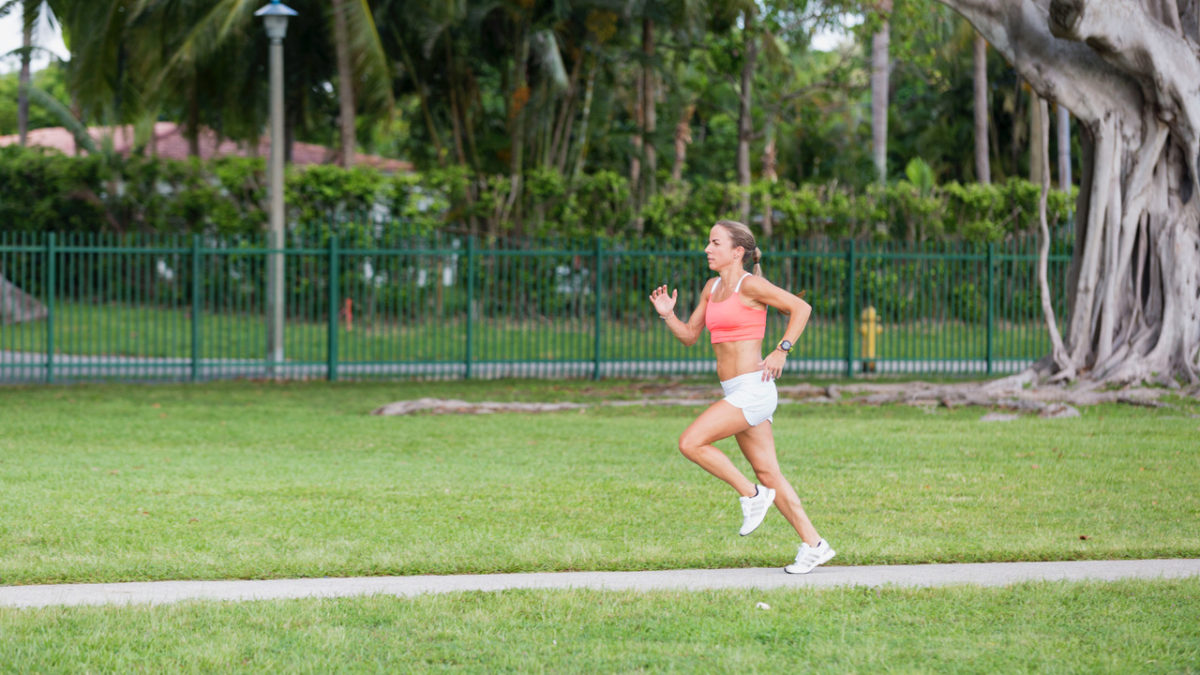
point(772, 478)
point(690, 445)
point(685, 444)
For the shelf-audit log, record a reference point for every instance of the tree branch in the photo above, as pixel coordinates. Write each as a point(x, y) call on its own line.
point(1162, 61)
point(1066, 72)
point(1125, 35)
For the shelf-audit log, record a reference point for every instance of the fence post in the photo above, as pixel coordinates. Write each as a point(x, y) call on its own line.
point(991, 302)
point(332, 351)
point(470, 305)
point(51, 274)
point(850, 310)
point(196, 300)
point(599, 304)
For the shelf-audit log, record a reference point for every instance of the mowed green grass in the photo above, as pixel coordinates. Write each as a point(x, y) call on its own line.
point(1120, 627)
point(260, 480)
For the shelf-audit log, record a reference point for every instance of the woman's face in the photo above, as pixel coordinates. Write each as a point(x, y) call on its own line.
point(720, 250)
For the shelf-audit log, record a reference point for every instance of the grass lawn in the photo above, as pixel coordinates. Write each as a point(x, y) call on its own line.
point(259, 480)
point(1122, 627)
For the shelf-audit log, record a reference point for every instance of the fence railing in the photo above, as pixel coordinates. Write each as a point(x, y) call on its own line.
point(89, 307)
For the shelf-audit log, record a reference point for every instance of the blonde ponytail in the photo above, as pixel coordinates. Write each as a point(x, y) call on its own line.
point(757, 256)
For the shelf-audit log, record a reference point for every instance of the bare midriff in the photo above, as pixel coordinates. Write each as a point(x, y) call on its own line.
point(738, 358)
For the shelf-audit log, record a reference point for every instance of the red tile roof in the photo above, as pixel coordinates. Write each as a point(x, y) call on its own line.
point(169, 143)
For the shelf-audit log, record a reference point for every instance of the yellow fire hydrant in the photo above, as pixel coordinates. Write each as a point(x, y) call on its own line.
point(868, 329)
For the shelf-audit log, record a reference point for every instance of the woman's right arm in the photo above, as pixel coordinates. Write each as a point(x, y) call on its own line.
point(687, 332)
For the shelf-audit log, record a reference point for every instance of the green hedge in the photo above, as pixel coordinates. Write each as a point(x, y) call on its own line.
point(43, 191)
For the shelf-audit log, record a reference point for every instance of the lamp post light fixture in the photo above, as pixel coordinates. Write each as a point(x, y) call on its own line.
point(275, 19)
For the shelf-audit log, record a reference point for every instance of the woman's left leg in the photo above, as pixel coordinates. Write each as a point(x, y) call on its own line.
point(758, 445)
point(720, 420)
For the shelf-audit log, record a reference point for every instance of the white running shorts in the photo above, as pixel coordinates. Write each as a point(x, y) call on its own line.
point(756, 399)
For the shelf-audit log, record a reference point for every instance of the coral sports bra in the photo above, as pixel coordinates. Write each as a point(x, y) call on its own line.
point(730, 320)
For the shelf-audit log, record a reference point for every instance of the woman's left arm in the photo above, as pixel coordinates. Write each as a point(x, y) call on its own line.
point(798, 311)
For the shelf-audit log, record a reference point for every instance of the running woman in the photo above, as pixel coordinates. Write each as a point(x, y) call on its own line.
point(733, 307)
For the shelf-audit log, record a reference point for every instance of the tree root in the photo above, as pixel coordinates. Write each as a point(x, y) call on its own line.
point(441, 406)
point(1009, 393)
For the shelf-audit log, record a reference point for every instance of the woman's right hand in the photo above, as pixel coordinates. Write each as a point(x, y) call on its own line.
point(664, 303)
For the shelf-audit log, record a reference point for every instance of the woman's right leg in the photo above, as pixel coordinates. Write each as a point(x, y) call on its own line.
point(758, 445)
point(721, 420)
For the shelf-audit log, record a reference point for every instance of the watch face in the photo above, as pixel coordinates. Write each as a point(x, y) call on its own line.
point(785, 345)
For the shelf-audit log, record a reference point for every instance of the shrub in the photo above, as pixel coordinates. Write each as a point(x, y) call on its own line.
point(45, 191)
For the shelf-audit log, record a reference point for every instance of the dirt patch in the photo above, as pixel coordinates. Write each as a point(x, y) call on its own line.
point(1050, 401)
point(442, 406)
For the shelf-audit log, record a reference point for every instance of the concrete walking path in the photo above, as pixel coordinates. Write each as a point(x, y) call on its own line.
point(980, 574)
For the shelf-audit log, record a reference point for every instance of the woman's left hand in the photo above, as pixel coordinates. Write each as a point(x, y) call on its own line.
point(772, 366)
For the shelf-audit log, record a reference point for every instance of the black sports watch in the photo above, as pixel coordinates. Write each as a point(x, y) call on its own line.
point(784, 346)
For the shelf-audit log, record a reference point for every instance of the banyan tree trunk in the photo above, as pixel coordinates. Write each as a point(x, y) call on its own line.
point(17, 306)
point(1129, 71)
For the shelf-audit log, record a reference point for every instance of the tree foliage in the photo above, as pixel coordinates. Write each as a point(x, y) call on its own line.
point(549, 96)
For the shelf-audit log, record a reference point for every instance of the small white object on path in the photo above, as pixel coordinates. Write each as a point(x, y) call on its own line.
point(980, 574)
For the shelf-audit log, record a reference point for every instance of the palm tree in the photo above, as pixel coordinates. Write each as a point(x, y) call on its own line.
point(682, 20)
point(645, 109)
point(345, 82)
point(880, 68)
point(31, 10)
point(983, 169)
point(203, 60)
point(360, 58)
point(600, 27)
point(98, 73)
point(431, 41)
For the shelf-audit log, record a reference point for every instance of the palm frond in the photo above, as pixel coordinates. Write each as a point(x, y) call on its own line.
point(373, 83)
point(30, 10)
point(94, 33)
point(440, 17)
point(210, 31)
point(55, 107)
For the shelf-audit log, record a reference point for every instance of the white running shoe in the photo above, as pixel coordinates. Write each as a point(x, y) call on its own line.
point(754, 509)
point(809, 557)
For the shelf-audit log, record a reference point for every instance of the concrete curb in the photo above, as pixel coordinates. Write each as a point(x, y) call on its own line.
point(979, 574)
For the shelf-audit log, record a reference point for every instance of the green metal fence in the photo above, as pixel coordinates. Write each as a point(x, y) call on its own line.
point(89, 307)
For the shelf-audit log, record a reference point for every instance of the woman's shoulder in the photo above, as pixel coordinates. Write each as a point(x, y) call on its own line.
point(754, 283)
